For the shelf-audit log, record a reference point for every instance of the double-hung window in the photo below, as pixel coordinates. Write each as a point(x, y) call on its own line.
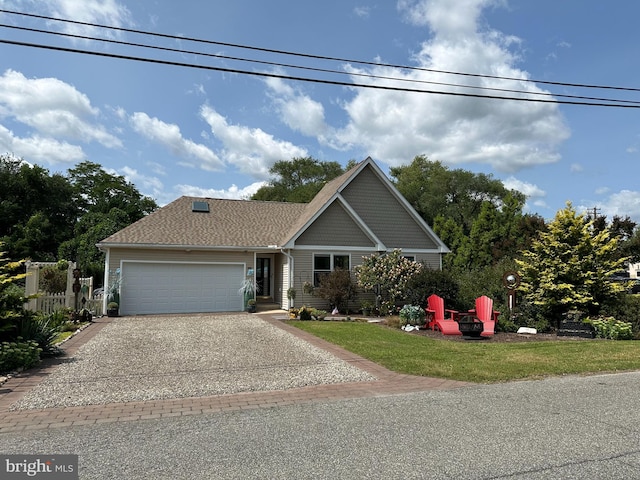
point(324, 263)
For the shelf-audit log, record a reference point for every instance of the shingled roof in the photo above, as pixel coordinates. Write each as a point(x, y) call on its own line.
point(228, 223)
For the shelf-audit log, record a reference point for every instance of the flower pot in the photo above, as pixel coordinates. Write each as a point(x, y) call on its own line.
point(112, 312)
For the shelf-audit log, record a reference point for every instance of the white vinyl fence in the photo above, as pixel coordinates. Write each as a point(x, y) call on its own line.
point(50, 302)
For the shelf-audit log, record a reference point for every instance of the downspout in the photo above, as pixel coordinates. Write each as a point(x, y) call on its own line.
point(291, 276)
point(106, 281)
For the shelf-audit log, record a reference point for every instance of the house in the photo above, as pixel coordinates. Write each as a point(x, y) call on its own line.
point(193, 254)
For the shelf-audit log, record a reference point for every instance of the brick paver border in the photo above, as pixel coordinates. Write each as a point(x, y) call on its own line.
point(386, 383)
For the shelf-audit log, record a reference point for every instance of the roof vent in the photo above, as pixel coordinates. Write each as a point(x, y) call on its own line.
point(200, 207)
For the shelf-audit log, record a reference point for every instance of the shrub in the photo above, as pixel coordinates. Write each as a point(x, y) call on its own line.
point(609, 327)
point(626, 308)
point(427, 282)
point(318, 314)
point(305, 313)
point(412, 315)
point(53, 279)
point(42, 331)
point(337, 288)
point(18, 354)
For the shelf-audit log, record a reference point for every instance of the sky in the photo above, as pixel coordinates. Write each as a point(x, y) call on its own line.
point(214, 118)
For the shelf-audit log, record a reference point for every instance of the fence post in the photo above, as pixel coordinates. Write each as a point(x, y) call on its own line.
point(31, 284)
point(69, 295)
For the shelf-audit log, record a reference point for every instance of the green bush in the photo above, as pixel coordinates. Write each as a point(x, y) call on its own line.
point(412, 315)
point(42, 331)
point(19, 354)
point(625, 308)
point(421, 285)
point(305, 313)
point(318, 314)
point(609, 327)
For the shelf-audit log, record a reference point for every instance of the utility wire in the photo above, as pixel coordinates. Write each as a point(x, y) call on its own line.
point(318, 57)
point(315, 69)
point(307, 79)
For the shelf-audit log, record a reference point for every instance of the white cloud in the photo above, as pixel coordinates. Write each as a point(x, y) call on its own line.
point(104, 12)
point(623, 203)
point(362, 11)
point(40, 150)
point(576, 168)
point(395, 126)
point(298, 111)
point(529, 189)
point(232, 192)
point(52, 107)
point(251, 150)
point(169, 136)
point(602, 190)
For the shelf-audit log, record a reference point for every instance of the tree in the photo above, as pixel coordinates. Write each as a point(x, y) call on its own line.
point(97, 191)
point(298, 180)
point(37, 210)
point(434, 190)
point(569, 266)
point(476, 216)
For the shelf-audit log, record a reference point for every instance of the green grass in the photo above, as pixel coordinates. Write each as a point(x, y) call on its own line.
point(476, 361)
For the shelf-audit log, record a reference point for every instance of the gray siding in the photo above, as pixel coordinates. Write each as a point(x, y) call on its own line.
point(335, 227)
point(384, 214)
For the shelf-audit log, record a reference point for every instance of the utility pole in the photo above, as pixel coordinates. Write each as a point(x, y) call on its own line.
point(596, 210)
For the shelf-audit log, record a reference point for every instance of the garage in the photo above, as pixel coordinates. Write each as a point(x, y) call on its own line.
point(159, 287)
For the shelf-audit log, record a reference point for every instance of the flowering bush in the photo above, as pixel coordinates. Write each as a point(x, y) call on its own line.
point(611, 328)
point(388, 275)
point(412, 315)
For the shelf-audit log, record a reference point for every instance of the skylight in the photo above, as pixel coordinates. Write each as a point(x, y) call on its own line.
point(200, 207)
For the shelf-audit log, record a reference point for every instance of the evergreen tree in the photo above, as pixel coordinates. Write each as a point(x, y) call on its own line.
point(569, 266)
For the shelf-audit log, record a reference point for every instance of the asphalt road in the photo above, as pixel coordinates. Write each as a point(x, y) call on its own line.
point(571, 427)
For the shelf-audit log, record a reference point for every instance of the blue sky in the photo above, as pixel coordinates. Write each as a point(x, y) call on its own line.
point(183, 131)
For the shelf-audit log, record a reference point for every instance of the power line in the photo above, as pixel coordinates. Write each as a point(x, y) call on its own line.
point(314, 69)
point(317, 57)
point(307, 79)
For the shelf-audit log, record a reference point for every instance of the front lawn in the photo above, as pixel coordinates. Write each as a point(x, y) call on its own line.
point(476, 361)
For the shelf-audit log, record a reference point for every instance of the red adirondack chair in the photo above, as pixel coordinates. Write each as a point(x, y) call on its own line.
point(436, 313)
point(486, 314)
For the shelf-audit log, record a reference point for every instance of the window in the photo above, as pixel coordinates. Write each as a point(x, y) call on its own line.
point(326, 263)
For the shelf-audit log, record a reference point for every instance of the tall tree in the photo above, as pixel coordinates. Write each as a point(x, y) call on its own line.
point(433, 190)
point(37, 210)
point(298, 180)
point(570, 265)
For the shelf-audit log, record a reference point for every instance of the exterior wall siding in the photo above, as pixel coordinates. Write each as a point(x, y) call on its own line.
point(384, 214)
point(335, 227)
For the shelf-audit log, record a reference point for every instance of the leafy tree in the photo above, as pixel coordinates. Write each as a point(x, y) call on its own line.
point(476, 216)
point(298, 180)
point(37, 210)
point(434, 190)
point(569, 266)
point(97, 191)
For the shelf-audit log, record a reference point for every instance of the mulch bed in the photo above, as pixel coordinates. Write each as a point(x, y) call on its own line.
point(500, 337)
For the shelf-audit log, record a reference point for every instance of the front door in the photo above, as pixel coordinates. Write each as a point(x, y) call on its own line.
point(263, 277)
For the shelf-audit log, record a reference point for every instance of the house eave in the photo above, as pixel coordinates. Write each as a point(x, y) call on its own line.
point(159, 246)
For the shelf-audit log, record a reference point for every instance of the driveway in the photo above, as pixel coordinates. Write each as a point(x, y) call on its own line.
point(165, 357)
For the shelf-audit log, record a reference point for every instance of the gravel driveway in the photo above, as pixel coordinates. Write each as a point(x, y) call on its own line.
point(151, 358)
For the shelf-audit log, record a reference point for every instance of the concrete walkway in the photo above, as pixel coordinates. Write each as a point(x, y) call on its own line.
point(387, 383)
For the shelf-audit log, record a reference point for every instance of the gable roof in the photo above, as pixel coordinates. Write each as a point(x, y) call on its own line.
point(237, 224)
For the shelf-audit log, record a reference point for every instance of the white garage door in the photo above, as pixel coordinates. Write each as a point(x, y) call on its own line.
point(180, 288)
